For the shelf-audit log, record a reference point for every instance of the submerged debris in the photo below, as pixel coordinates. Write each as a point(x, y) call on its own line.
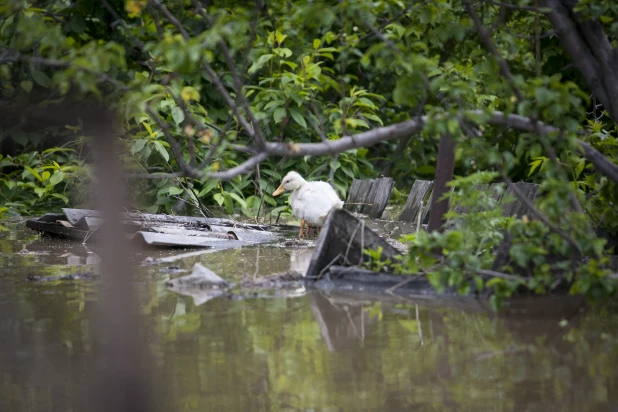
point(201, 277)
point(283, 280)
point(74, 276)
point(202, 285)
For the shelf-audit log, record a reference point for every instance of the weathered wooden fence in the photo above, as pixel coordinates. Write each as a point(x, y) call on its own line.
point(370, 197)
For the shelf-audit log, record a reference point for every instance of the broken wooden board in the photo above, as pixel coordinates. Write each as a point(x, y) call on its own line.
point(369, 196)
point(342, 240)
point(417, 195)
point(518, 208)
point(357, 198)
point(378, 196)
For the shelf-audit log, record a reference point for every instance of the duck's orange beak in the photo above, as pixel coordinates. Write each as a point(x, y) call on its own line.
point(279, 190)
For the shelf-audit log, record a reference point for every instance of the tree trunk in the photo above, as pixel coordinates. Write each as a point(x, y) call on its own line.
point(444, 174)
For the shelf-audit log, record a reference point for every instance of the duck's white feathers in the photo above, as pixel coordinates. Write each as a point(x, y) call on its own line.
point(313, 200)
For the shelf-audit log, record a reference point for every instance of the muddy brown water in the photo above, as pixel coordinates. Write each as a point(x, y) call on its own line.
point(307, 352)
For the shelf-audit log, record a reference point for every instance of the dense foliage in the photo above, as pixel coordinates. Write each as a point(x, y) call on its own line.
point(216, 99)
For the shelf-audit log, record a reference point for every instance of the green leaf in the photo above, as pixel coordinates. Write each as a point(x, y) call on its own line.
point(61, 197)
point(150, 133)
point(211, 184)
point(355, 123)
point(45, 175)
point(41, 78)
point(173, 190)
point(298, 118)
point(189, 93)
point(219, 198)
point(316, 43)
point(162, 150)
point(279, 114)
point(34, 173)
point(240, 200)
point(26, 85)
point(137, 146)
point(56, 178)
point(39, 191)
point(260, 63)
point(178, 115)
point(374, 118)
point(283, 52)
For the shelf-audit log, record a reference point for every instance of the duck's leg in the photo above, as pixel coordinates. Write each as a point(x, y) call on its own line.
point(308, 231)
point(302, 226)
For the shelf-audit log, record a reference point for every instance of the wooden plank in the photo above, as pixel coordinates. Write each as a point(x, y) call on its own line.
point(377, 199)
point(342, 240)
point(359, 191)
point(353, 202)
point(426, 209)
point(363, 193)
point(518, 208)
point(419, 191)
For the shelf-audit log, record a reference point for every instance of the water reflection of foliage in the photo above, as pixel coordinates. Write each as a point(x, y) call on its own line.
point(273, 354)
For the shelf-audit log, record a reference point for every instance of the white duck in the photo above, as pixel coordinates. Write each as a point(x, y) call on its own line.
point(311, 201)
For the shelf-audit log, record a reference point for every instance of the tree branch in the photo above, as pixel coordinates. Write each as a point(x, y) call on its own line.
point(168, 15)
point(580, 55)
point(238, 84)
point(257, 136)
point(501, 275)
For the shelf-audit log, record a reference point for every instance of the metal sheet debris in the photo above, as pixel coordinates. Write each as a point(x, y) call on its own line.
point(159, 230)
point(164, 239)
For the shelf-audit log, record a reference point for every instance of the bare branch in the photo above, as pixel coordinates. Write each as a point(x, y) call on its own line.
point(242, 168)
point(348, 142)
point(153, 175)
point(577, 49)
point(238, 84)
point(176, 149)
point(600, 162)
point(382, 37)
point(500, 275)
point(253, 133)
point(124, 25)
point(168, 15)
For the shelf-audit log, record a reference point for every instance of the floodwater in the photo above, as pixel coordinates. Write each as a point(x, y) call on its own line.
point(307, 352)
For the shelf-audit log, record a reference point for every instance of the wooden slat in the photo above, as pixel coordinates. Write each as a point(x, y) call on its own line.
point(359, 191)
point(377, 199)
point(419, 191)
point(518, 208)
point(351, 202)
point(426, 209)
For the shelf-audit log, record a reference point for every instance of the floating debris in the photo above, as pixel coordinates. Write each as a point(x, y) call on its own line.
point(160, 230)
